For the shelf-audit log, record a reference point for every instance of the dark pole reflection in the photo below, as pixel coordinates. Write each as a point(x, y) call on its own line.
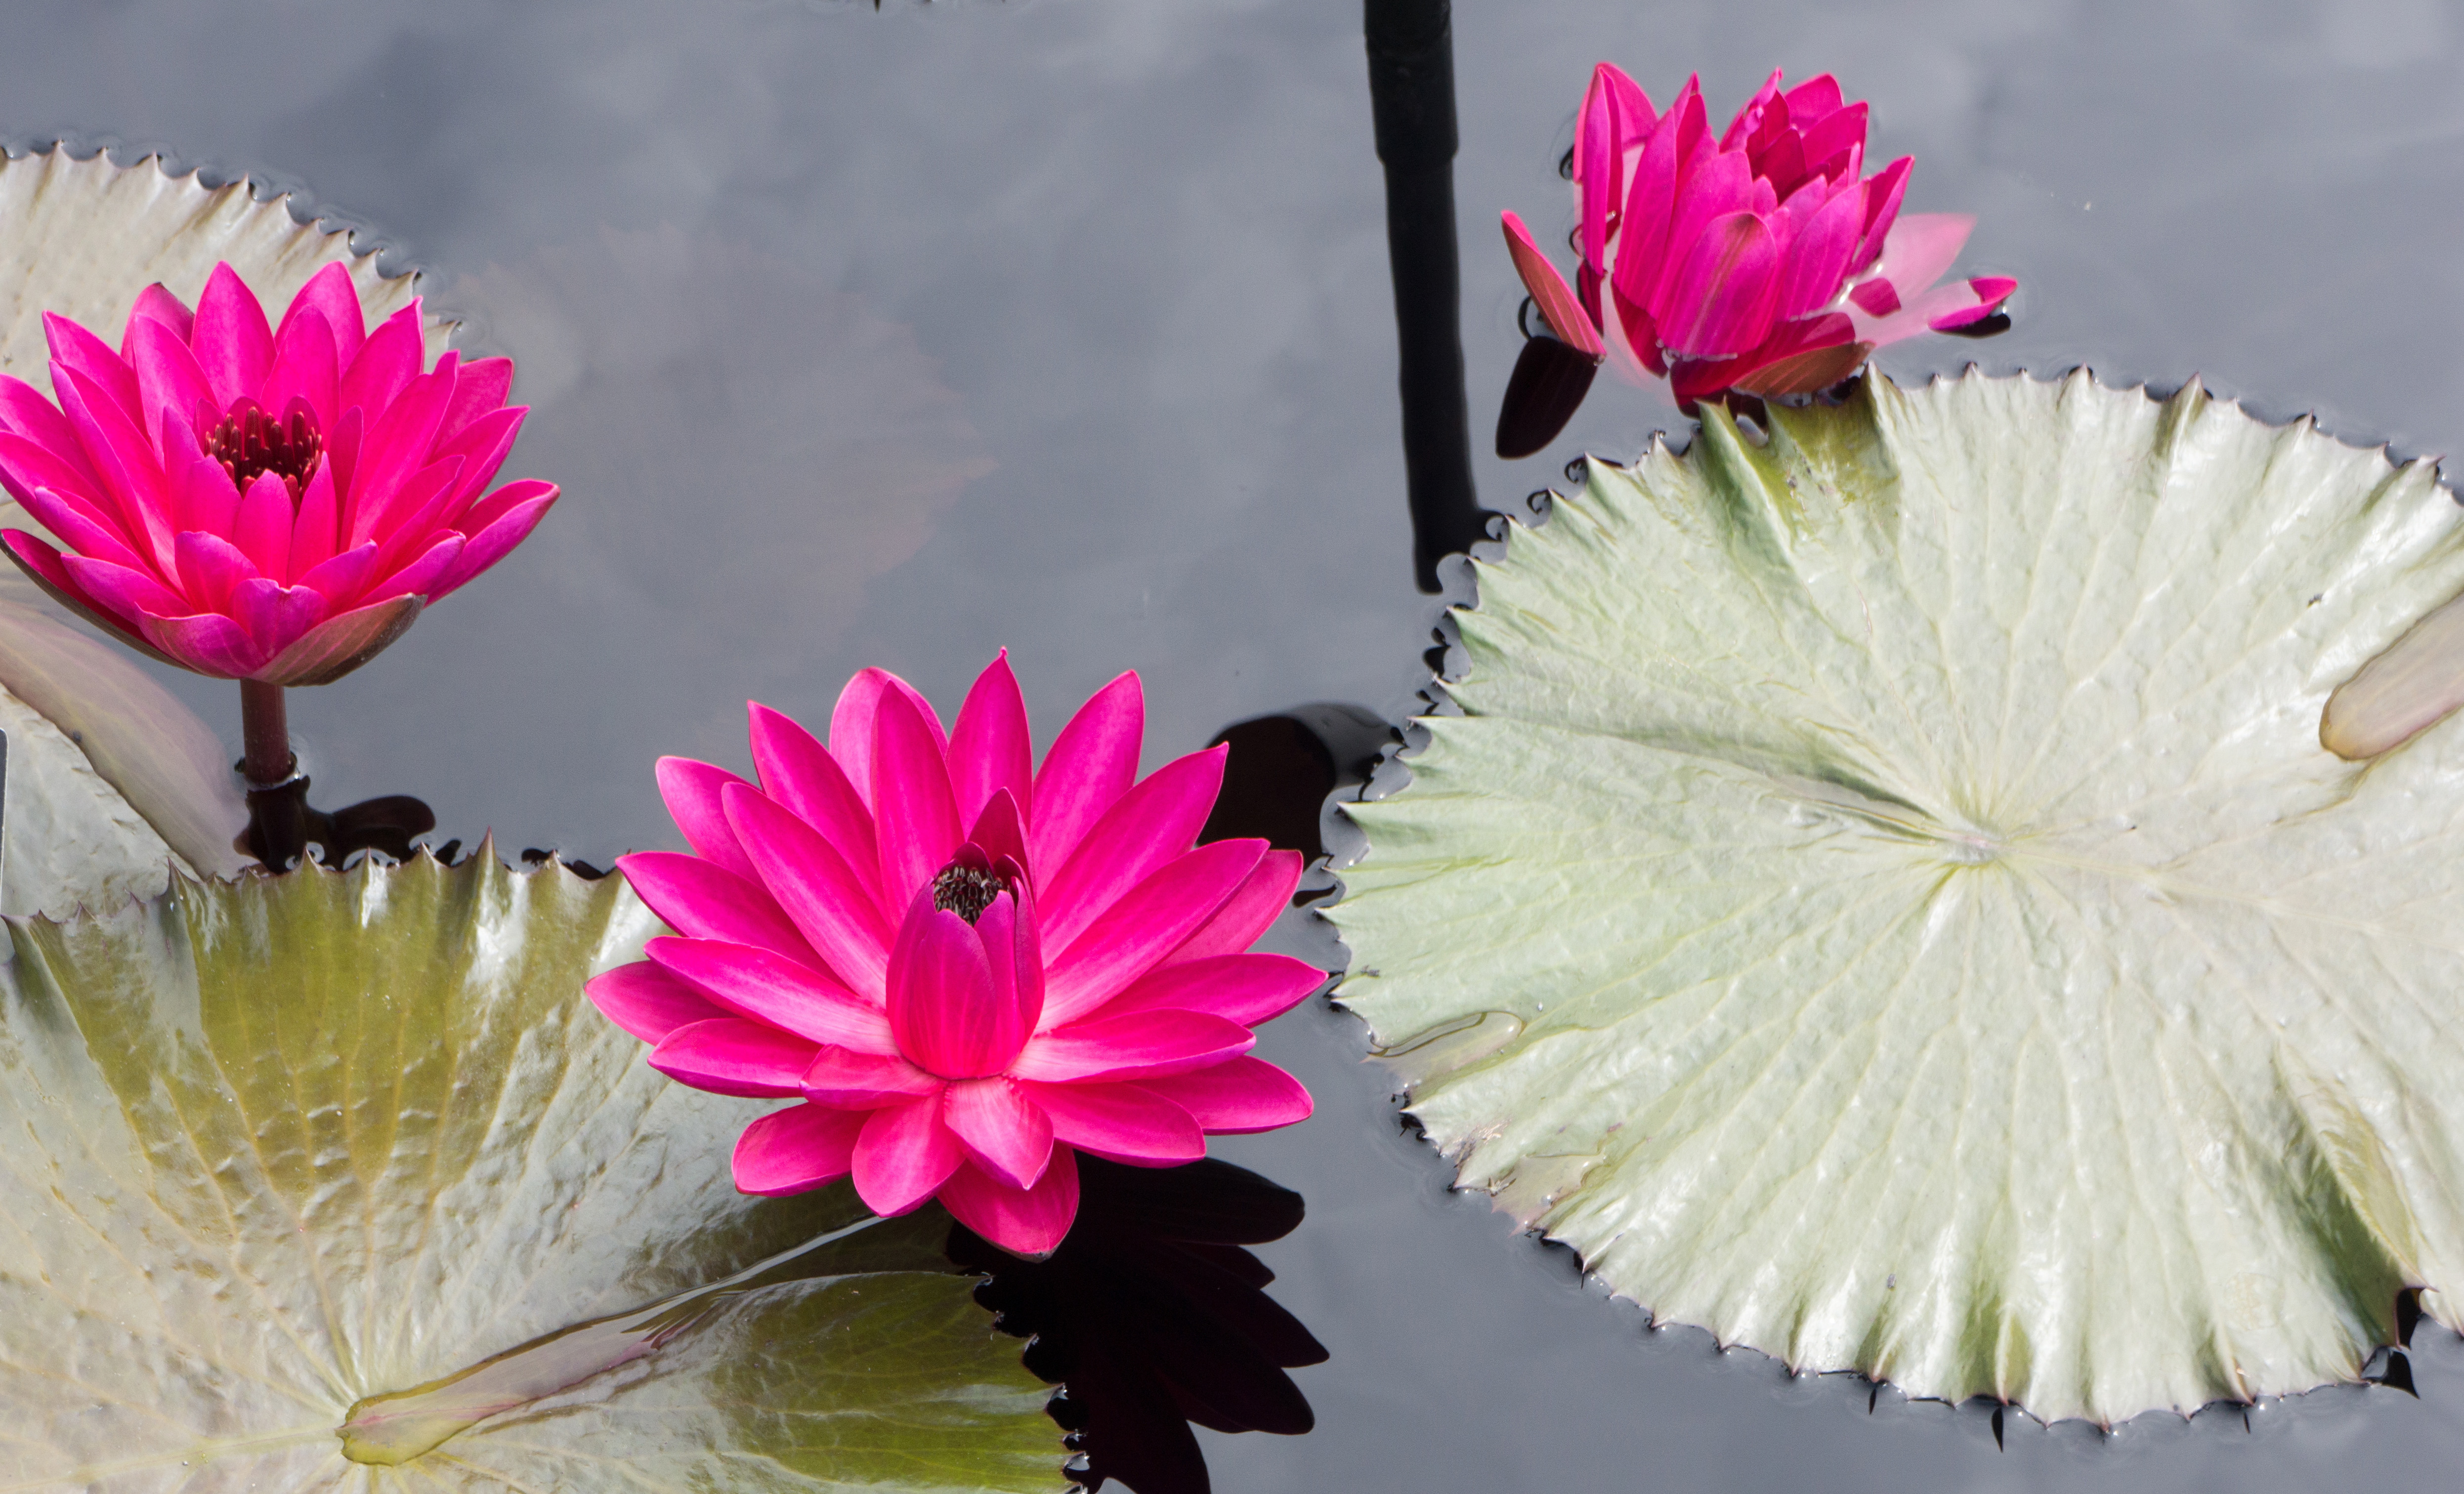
point(1151, 1317)
point(1412, 95)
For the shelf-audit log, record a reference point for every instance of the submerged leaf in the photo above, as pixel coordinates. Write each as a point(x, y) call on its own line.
point(283, 1150)
point(1888, 900)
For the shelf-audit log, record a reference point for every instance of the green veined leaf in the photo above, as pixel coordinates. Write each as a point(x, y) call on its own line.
point(331, 1148)
point(1887, 901)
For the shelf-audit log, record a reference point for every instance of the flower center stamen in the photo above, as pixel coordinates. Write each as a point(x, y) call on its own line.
point(250, 443)
point(966, 891)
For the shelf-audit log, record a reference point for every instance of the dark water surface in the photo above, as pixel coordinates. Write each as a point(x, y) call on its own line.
point(891, 337)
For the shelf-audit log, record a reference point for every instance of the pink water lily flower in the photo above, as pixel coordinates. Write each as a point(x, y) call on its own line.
point(966, 967)
point(1761, 260)
point(255, 502)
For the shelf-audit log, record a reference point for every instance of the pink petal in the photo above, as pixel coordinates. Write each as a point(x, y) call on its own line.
point(233, 345)
point(1989, 291)
point(78, 527)
point(262, 530)
point(1248, 912)
point(1247, 1094)
point(121, 590)
point(1884, 192)
point(903, 1155)
point(155, 304)
point(43, 458)
point(1145, 827)
point(1721, 301)
point(729, 1055)
point(1834, 133)
point(1145, 924)
point(913, 815)
point(1818, 257)
point(1120, 1121)
point(800, 773)
point(50, 571)
point(854, 1081)
point(1720, 184)
point(201, 495)
point(1004, 1133)
point(1919, 248)
point(208, 643)
point(132, 478)
point(344, 575)
point(1243, 988)
point(1739, 128)
point(397, 446)
point(1131, 1047)
point(1874, 297)
point(479, 389)
point(483, 447)
point(341, 644)
point(989, 747)
point(768, 987)
point(419, 577)
point(74, 348)
point(209, 567)
point(1550, 292)
point(941, 998)
point(380, 369)
point(1030, 1222)
point(796, 1149)
point(304, 367)
point(314, 528)
point(168, 373)
point(330, 293)
point(851, 724)
point(695, 897)
point(1809, 100)
point(497, 539)
point(277, 616)
point(1651, 198)
point(1799, 358)
point(1001, 830)
point(691, 790)
point(646, 1001)
point(1092, 763)
point(1014, 950)
point(813, 886)
point(413, 518)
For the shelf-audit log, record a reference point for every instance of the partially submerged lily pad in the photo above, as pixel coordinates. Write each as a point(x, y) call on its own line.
point(282, 1150)
point(1887, 899)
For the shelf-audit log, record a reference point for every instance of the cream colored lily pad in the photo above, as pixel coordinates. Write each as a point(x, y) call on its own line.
point(1886, 899)
point(334, 1181)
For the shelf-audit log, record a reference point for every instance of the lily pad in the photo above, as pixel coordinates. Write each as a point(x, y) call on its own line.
point(334, 1181)
point(1886, 898)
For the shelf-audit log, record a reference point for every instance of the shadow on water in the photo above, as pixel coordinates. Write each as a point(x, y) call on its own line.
point(1282, 767)
point(1152, 1317)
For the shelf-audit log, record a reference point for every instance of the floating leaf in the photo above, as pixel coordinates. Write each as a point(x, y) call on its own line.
point(334, 1181)
point(1888, 900)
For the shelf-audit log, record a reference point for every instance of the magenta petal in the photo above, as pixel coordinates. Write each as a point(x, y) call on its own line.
point(209, 567)
point(1874, 297)
point(1031, 1221)
point(73, 347)
point(331, 294)
point(855, 1081)
point(941, 998)
point(691, 790)
point(1148, 922)
point(729, 1055)
point(479, 389)
point(304, 367)
point(706, 901)
point(1884, 192)
point(799, 771)
point(903, 1155)
point(1004, 1133)
point(208, 643)
point(344, 577)
point(262, 528)
point(1248, 912)
point(122, 591)
point(1809, 100)
point(1243, 988)
point(313, 529)
point(851, 724)
point(796, 1149)
point(1147, 827)
point(1121, 1121)
point(1550, 292)
point(78, 526)
point(398, 443)
point(814, 887)
point(1131, 1047)
point(498, 538)
point(1721, 301)
point(167, 374)
point(768, 987)
point(277, 616)
point(1001, 830)
point(913, 815)
point(646, 1001)
point(1245, 1094)
point(1722, 185)
point(1818, 257)
point(989, 746)
point(382, 368)
point(233, 344)
point(157, 303)
point(1092, 763)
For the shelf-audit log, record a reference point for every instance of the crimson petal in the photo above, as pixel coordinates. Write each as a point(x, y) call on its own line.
point(990, 750)
point(732, 1055)
point(1247, 1094)
point(1092, 763)
point(692, 792)
point(1131, 1047)
point(1147, 923)
point(1147, 827)
point(818, 891)
point(1031, 1221)
point(903, 1155)
point(1243, 988)
point(796, 1149)
point(761, 984)
point(646, 1001)
point(1124, 1122)
point(1004, 1133)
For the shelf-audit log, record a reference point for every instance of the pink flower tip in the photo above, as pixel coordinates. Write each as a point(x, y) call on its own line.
point(261, 500)
point(964, 966)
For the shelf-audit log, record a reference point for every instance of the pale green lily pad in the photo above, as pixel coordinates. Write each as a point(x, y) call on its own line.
point(280, 1150)
point(1887, 900)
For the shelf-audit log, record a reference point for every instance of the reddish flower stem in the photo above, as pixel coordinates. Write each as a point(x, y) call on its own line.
point(265, 735)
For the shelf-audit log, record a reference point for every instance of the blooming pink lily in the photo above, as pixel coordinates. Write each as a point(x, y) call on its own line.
point(1759, 261)
point(261, 502)
point(966, 967)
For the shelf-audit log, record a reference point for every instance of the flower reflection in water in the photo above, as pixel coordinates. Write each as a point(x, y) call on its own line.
point(1152, 1317)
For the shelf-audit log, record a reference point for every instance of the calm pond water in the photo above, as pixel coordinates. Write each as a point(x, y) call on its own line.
point(889, 337)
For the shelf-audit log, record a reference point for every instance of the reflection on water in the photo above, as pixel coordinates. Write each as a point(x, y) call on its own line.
point(1152, 1317)
point(1282, 767)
